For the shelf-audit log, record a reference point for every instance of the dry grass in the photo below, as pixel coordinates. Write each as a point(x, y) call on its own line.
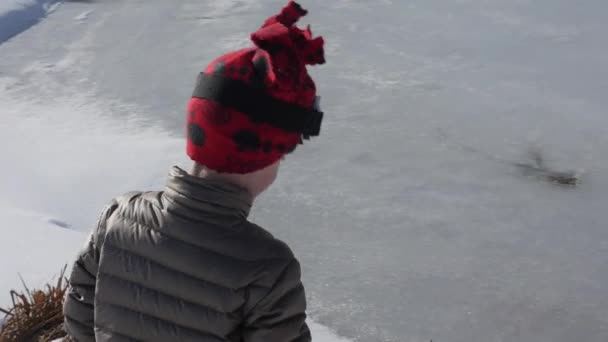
point(36, 316)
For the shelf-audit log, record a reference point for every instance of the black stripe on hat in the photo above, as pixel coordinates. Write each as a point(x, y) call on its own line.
point(257, 105)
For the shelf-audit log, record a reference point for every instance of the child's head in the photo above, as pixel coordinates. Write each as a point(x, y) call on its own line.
point(253, 106)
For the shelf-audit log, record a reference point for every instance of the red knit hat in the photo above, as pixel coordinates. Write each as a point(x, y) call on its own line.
point(253, 106)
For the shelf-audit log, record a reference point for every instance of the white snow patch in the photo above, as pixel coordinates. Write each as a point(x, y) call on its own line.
point(73, 159)
point(324, 334)
point(65, 157)
point(32, 248)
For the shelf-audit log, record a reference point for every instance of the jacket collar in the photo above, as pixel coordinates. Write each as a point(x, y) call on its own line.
point(201, 199)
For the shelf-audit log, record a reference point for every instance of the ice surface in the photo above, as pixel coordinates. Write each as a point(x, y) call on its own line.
point(83, 16)
point(18, 15)
point(409, 214)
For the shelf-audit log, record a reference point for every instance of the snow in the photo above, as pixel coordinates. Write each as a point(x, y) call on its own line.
point(409, 214)
point(18, 15)
point(53, 189)
point(37, 253)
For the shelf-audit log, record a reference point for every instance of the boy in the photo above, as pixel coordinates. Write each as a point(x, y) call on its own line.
point(184, 264)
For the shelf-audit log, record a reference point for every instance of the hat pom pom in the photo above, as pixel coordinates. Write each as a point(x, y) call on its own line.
point(279, 32)
point(309, 49)
point(291, 13)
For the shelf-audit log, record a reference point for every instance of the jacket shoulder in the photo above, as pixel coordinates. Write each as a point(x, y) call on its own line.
point(127, 197)
point(270, 246)
point(139, 206)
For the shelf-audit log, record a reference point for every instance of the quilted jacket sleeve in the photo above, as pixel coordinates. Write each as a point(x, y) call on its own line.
point(78, 308)
point(281, 315)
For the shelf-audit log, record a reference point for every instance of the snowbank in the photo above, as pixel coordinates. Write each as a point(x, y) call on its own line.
point(59, 171)
point(32, 248)
point(18, 15)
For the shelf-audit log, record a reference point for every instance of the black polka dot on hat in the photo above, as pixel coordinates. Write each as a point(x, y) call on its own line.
point(246, 140)
point(276, 48)
point(267, 147)
point(196, 134)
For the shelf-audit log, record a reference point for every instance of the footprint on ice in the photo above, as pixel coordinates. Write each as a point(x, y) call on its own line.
point(537, 167)
point(59, 223)
point(534, 167)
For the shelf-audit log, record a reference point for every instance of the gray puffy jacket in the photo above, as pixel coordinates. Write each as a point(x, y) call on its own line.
point(184, 264)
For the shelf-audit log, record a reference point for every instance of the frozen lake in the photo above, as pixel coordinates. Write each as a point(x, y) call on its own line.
point(409, 214)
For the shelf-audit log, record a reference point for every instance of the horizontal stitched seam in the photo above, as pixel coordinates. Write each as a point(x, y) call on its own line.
point(83, 268)
point(165, 293)
point(168, 267)
point(131, 220)
point(122, 307)
point(78, 322)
